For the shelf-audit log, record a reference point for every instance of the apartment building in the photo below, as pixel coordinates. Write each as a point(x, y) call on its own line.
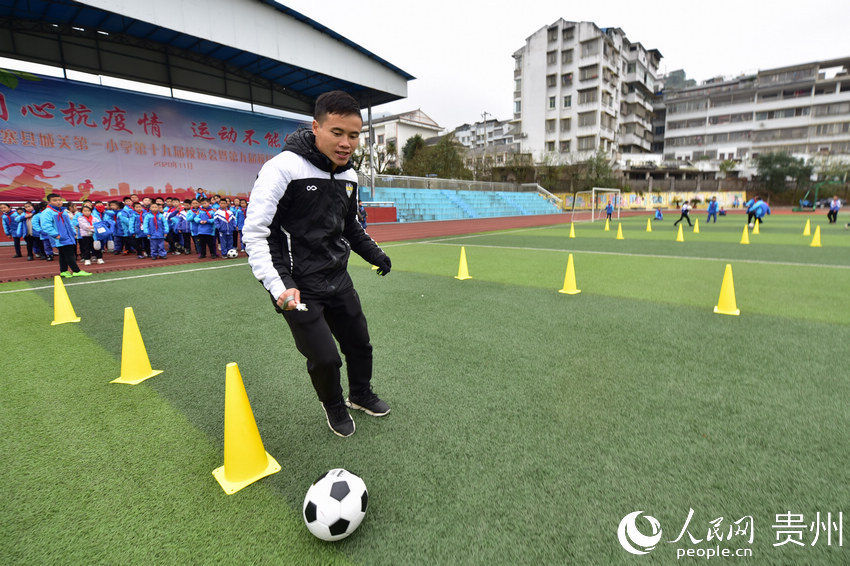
point(800, 109)
point(580, 89)
point(398, 128)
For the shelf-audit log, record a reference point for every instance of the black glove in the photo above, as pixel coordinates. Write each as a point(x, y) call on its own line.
point(384, 264)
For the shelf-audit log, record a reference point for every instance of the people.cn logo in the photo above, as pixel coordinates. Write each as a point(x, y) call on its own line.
point(635, 541)
point(312, 188)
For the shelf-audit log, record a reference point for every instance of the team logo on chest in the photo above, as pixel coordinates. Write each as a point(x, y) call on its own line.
point(349, 188)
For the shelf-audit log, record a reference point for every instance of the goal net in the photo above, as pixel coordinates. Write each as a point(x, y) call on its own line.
point(595, 201)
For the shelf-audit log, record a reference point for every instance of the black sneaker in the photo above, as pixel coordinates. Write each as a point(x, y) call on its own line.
point(369, 403)
point(339, 420)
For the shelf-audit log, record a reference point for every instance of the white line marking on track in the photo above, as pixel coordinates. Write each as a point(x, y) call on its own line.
point(128, 277)
point(727, 260)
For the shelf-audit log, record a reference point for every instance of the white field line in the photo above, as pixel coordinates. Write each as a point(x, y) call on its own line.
point(489, 233)
point(128, 277)
point(727, 260)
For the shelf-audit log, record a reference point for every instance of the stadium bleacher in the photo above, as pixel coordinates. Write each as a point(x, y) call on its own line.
point(416, 205)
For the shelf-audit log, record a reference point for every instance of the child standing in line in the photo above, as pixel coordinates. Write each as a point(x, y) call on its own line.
point(135, 228)
point(10, 226)
point(20, 229)
point(123, 243)
point(193, 226)
point(46, 241)
point(204, 219)
point(86, 227)
point(34, 248)
point(155, 228)
point(225, 223)
point(57, 223)
point(239, 213)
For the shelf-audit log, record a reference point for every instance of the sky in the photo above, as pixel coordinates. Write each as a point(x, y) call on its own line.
point(460, 51)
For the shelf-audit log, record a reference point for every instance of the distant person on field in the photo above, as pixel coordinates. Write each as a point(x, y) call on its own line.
point(712, 210)
point(46, 240)
point(686, 210)
point(658, 214)
point(86, 227)
point(832, 215)
point(155, 228)
point(58, 225)
point(750, 206)
point(760, 210)
point(204, 220)
point(361, 215)
point(136, 221)
point(608, 211)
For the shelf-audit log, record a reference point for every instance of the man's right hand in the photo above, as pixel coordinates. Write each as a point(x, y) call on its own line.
point(288, 299)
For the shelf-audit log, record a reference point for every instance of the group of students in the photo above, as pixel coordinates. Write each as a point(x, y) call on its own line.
point(135, 225)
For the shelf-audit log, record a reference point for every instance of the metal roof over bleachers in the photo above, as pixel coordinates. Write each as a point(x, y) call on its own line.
point(255, 51)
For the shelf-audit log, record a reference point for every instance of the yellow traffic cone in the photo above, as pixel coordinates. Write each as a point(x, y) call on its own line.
point(816, 238)
point(619, 232)
point(756, 228)
point(680, 237)
point(607, 225)
point(63, 310)
point(648, 225)
point(726, 302)
point(745, 236)
point(462, 269)
point(570, 279)
point(572, 231)
point(245, 458)
point(807, 230)
point(696, 225)
point(135, 365)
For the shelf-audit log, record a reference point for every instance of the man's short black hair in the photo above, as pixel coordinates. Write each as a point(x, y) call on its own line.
point(187, 201)
point(127, 198)
point(52, 195)
point(335, 102)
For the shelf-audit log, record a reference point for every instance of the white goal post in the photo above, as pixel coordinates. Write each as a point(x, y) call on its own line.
point(595, 200)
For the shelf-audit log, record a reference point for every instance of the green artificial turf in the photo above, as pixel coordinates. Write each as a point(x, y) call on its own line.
point(525, 423)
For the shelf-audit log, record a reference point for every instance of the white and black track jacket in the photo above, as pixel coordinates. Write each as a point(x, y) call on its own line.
point(301, 223)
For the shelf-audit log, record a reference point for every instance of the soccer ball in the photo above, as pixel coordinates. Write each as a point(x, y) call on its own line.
point(335, 504)
point(750, 225)
point(232, 253)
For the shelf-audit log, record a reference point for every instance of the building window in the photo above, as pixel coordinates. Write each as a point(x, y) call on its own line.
point(551, 103)
point(517, 106)
point(586, 119)
point(565, 124)
point(517, 84)
point(518, 60)
point(551, 57)
point(553, 34)
point(568, 101)
point(550, 126)
point(564, 146)
point(589, 73)
point(590, 48)
point(587, 143)
point(631, 67)
point(551, 80)
point(380, 139)
point(550, 146)
point(587, 96)
point(569, 33)
point(566, 56)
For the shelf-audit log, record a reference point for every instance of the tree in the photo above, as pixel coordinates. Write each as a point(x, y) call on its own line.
point(386, 158)
point(443, 160)
point(776, 168)
point(412, 146)
point(597, 172)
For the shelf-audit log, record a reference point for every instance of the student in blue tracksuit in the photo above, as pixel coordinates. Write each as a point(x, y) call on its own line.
point(760, 210)
point(20, 230)
point(173, 218)
point(749, 206)
point(658, 215)
point(239, 208)
point(135, 221)
point(58, 224)
point(608, 210)
point(183, 227)
point(204, 220)
point(10, 227)
point(46, 241)
point(33, 242)
point(156, 228)
point(225, 223)
point(712, 210)
point(193, 226)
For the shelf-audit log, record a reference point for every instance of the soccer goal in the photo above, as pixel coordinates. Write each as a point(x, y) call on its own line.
point(595, 201)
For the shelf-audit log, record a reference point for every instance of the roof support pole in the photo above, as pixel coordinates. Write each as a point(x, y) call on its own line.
point(371, 155)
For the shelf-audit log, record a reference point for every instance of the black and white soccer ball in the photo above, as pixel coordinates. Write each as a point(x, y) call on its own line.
point(335, 504)
point(232, 253)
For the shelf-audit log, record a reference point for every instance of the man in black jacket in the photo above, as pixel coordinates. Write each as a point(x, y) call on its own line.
point(300, 228)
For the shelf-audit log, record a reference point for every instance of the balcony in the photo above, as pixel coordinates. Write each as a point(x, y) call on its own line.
point(517, 73)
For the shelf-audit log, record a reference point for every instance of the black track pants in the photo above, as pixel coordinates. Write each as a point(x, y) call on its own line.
point(341, 317)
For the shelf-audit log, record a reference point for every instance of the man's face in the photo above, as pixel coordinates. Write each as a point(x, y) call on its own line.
point(338, 136)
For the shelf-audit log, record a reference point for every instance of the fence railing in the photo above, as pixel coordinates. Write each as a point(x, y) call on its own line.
point(406, 182)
